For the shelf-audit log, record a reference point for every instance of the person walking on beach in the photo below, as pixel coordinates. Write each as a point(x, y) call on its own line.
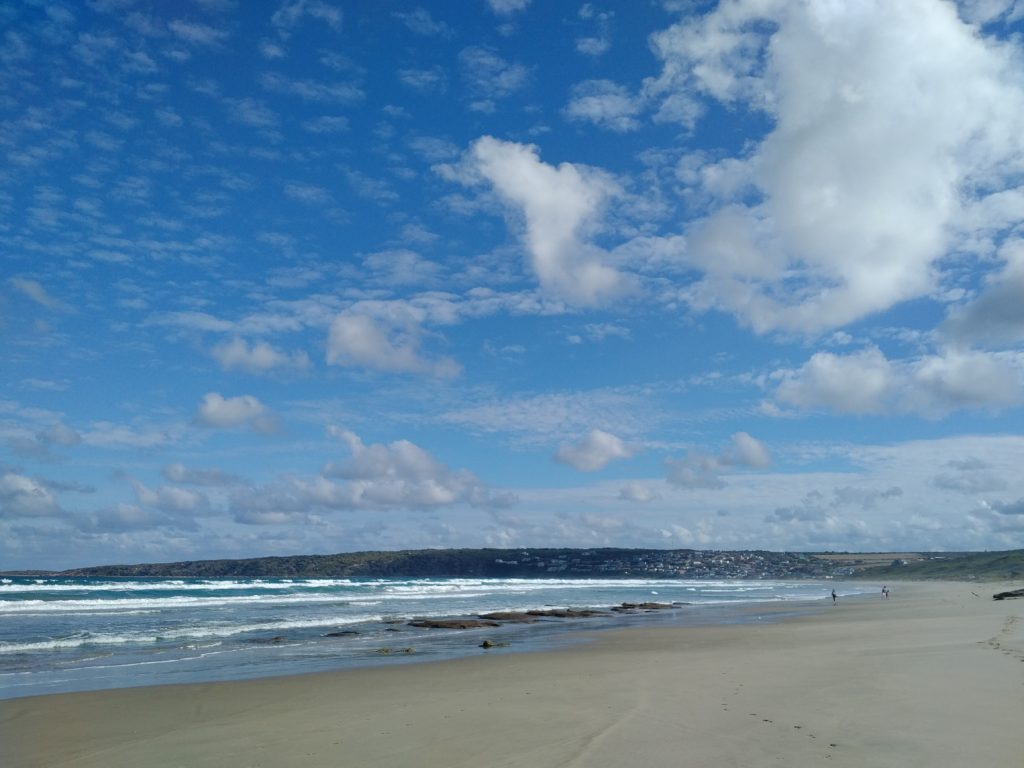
point(833, 597)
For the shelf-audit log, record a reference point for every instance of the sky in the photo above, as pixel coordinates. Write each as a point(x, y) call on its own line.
point(311, 276)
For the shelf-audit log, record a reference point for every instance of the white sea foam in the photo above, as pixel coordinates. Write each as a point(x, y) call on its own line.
point(186, 633)
point(8, 586)
point(130, 604)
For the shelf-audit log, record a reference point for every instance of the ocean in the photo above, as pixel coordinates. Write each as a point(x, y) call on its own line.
point(63, 634)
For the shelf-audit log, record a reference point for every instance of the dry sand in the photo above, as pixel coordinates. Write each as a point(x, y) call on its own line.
point(932, 677)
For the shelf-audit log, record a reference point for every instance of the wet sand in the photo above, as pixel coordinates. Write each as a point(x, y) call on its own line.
point(934, 676)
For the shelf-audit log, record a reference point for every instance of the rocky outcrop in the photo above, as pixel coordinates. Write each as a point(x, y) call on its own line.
point(631, 607)
point(453, 623)
point(512, 617)
point(567, 613)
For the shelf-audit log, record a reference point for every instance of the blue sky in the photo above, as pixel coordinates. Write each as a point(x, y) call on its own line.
point(307, 276)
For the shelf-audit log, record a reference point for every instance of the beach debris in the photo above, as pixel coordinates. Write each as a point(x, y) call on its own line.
point(1005, 595)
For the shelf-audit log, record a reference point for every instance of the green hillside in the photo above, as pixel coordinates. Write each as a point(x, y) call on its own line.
point(983, 566)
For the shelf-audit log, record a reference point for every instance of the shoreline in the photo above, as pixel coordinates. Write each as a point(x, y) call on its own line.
point(302, 637)
point(933, 676)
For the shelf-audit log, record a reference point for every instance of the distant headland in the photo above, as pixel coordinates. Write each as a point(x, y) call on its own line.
point(531, 562)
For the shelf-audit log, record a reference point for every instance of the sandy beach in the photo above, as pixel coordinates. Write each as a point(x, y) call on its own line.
point(933, 676)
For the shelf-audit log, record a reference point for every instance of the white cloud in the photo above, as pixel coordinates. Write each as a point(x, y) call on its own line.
point(179, 473)
point(997, 315)
point(867, 176)
point(128, 517)
point(747, 451)
point(60, 434)
point(560, 207)
point(424, 80)
point(38, 445)
point(171, 499)
point(545, 418)
point(22, 496)
point(389, 341)
point(33, 290)
point(327, 124)
point(606, 104)
point(985, 11)
point(866, 382)
point(598, 43)
point(638, 492)
point(490, 76)
point(701, 470)
point(507, 7)
point(594, 451)
point(371, 188)
point(601, 331)
point(402, 267)
point(294, 12)
point(259, 357)
point(593, 46)
point(307, 193)
point(402, 474)
point(312, 90)
point(695, 470)
point(971, 476)
point(196, 33)
point(105, 434)
point(421, 22)
point(271, 50)
point(230, 412)
point(857, 383)
point(397, 475)
point(251, 112)
point(955, 380)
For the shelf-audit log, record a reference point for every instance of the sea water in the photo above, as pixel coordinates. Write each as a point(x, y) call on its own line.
point(63, 634)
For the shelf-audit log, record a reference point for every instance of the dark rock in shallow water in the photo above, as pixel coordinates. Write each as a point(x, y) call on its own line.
point(492, 644)
point(453, 623)
point(510, 616)
point(393, 651)
point(1004, 595)
point(627, 607)
point(568, 613)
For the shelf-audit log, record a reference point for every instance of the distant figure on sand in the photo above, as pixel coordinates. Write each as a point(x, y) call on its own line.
point(885, 593)
point(833, 597)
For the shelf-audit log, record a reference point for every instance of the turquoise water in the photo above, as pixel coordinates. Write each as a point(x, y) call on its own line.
point(59, 635)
